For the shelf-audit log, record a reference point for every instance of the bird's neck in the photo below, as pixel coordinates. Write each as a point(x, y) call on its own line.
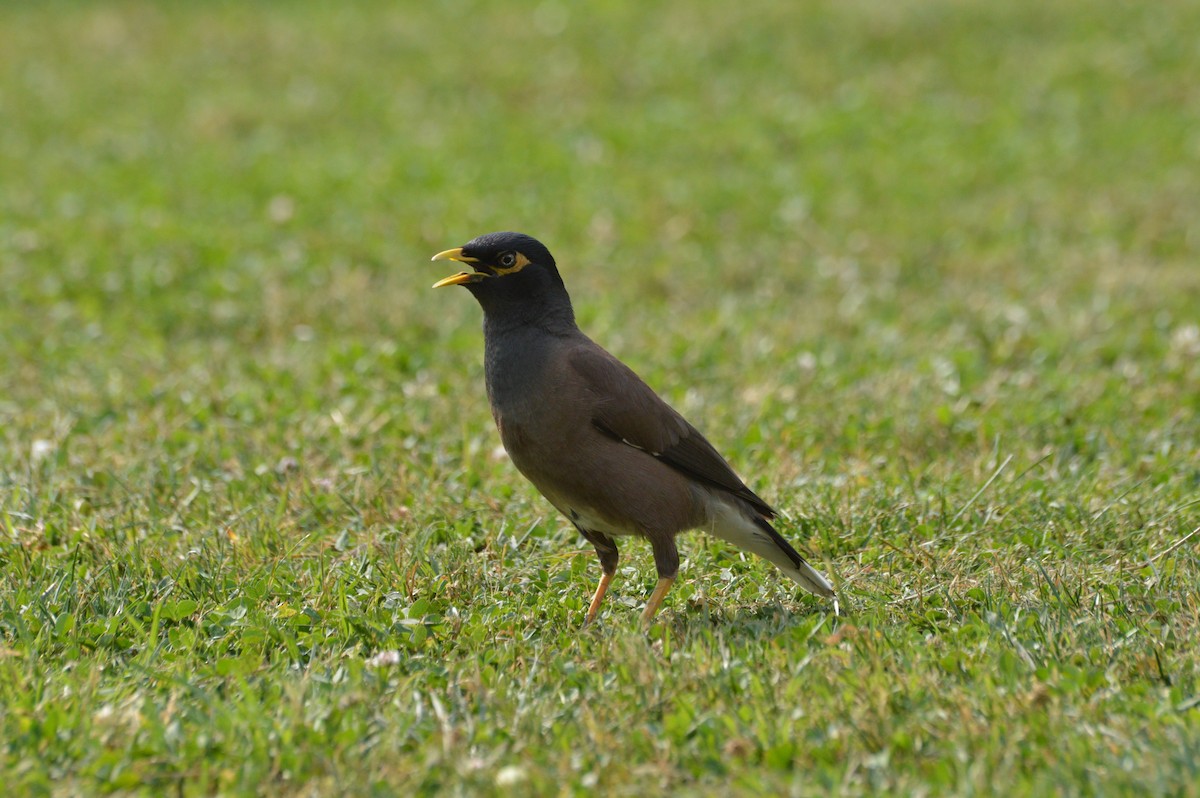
point(515, 363)
point(520, 343)
point(555, 320)
point(507, 312)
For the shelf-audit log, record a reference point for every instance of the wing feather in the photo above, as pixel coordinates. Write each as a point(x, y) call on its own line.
point(627, 410)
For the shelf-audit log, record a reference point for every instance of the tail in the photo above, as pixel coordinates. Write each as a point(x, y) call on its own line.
point(750, 531)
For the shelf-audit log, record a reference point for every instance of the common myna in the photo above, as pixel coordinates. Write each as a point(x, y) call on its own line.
point(597, 442)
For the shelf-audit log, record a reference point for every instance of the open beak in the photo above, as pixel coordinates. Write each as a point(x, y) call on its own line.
point(456, 254)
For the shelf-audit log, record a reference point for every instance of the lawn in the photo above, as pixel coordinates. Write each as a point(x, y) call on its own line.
point(927, 272)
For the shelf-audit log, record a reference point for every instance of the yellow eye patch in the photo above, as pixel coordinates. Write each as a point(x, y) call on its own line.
point(520, 263)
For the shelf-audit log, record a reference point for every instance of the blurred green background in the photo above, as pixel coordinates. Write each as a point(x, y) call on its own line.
point(926, 271)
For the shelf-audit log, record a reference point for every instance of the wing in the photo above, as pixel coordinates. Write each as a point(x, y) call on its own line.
point(628, 410)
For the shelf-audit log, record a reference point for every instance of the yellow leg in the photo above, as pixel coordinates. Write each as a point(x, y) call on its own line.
point(601, 589)
point(656, 598)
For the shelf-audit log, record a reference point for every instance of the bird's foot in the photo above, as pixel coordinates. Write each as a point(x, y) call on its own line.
point(601, 589)
point(656, 599)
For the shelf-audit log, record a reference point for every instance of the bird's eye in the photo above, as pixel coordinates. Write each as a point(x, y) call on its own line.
point(507, 260)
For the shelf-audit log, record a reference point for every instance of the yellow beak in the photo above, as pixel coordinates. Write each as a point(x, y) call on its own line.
point(455, 254)
point(458, 279)
point(462, 277)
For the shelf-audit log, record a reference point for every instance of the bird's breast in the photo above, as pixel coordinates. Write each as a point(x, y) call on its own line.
point(515, 365)
point(521, 393)
point(512, 432)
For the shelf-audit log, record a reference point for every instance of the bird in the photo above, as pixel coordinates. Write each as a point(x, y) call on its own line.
point(593, 438)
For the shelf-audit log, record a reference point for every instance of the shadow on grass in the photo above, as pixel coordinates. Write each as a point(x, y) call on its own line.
point(746, 623)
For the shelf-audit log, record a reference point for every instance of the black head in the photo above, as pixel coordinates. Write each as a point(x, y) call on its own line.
point(511, 271)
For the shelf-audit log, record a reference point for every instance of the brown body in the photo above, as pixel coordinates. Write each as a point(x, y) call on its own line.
point(555, 420)
point(598, 443)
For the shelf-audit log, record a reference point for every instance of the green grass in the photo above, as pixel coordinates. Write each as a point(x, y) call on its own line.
point(927, 272)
